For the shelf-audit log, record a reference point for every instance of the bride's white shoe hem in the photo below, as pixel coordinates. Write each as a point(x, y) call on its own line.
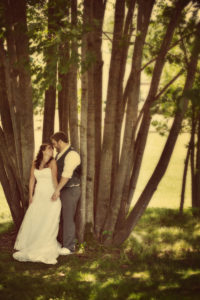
point(64, 251)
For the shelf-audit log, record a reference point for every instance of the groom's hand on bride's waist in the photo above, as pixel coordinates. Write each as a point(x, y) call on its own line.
point(55, 195)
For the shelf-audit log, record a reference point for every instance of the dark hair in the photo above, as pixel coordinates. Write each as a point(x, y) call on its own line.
point(39, 156)
point(60, 135)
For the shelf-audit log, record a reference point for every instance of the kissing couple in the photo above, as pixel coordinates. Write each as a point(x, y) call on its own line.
point(54, 192)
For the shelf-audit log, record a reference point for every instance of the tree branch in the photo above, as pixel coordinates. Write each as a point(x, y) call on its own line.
point(168, 84)
point(172, 46)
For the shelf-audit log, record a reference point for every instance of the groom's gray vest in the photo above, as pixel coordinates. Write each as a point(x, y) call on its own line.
point(75, 179)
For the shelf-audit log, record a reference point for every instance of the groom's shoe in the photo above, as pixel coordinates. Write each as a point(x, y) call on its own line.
point(65, 251)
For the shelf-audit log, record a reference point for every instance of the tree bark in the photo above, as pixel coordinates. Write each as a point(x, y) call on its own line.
point(195, 159)
point(83, 132)
point(90, 122)
point(127, 33)
point(72, 87)
point(198, 163)
point(104, 185)
point(99, 10)
point(184, 178)
point(192, 157)
point(63, 95)
point(51, 75)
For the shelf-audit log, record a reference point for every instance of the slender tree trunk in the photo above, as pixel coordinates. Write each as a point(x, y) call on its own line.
point(10, 183)
point(91, 123)
point(192, 157)
point(99, 10)
point(83, 132)
point(120, 103)
point(72, 87)
point(63, 95)
point(198, 164)
point(195, 160)
point(104, 186)
point(51, 76)
point(184, 178)
point(9, 62)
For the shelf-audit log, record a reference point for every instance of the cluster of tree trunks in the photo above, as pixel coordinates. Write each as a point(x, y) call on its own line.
point(16, 109)
point(111, 153)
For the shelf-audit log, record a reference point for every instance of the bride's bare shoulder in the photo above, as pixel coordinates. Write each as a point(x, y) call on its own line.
point(52, 163)
point(33, 164)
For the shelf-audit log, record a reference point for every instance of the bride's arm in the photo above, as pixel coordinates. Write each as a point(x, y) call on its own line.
point(53, 167)
point(31, 183)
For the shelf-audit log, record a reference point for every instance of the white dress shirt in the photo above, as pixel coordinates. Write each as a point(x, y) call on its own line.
point(72, 160)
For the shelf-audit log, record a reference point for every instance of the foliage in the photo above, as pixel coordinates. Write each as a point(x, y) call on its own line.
point(42, 40)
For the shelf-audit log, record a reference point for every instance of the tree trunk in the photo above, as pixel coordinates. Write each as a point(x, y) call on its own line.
point(184, 178)
point(72, 87)
point(51, 75)
point(99, 10)
point(121, 104)
point(63, 95)
point(104, 185)
point(83, 131)
point(195, 160)
point(198, 164)
point(90, 123)
point(192, 157)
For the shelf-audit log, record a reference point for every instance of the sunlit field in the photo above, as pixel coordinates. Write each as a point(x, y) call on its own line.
point(169, 190)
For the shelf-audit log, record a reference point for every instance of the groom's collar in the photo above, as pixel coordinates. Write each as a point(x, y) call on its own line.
point(63, 151)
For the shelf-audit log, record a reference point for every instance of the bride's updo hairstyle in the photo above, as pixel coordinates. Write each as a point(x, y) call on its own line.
point(39, 156)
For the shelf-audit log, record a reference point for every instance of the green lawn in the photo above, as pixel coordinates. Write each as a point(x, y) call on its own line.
point(161, 260)
point(169, 189)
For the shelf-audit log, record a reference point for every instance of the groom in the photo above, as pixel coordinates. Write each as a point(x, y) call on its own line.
point(68, 189)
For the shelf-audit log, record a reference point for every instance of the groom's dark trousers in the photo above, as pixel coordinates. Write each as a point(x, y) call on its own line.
point(69, 197)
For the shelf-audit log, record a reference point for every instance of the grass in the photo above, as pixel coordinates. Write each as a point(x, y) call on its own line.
point(161, 260)
point(168, 192)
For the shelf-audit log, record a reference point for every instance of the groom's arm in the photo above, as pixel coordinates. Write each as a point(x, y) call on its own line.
point(72, 160)
point(59, 187)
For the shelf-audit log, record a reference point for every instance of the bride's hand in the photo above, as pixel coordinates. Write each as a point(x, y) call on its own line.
point(30, 201)
point(55, 195)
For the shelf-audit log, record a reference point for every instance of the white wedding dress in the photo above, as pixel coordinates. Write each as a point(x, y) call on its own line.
point(36, 239)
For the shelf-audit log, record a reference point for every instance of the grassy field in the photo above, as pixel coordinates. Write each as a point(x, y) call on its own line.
point(169, 189)
point(161, 260)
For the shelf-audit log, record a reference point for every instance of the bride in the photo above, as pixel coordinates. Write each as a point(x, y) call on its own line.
point(36, 240)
